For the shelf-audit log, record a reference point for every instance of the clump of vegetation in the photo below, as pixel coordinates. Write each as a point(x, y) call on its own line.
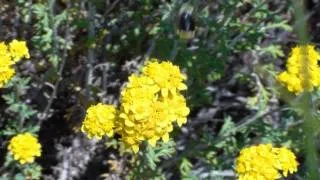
point(110, 89)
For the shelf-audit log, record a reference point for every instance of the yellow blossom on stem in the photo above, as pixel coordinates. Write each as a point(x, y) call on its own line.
point(287, 161)
point(265, 162)
point(9, 55)
point(18, 50)
point(136, 107)
point(303, 71)
point(178, 108)
point(24, 148)
point(150, 104)
point(6, 73)
point(99, 121)
point(167, 76)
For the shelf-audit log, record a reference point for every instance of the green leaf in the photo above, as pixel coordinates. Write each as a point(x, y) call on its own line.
point(281, 25)
point(227, 127)
point(185, 167)
point(274, 50)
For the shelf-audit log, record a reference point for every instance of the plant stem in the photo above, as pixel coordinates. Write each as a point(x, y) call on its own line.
point(306, 102)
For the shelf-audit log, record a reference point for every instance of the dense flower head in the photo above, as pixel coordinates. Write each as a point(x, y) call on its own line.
point(166, 76)
point(99, 121)
point(287, 161)
point(9, 55)
point(265, 162)
point(24, 148)
point(6, 73)
point(18, 50)
point(178, 108)
point(151, 103)
point(303, 71)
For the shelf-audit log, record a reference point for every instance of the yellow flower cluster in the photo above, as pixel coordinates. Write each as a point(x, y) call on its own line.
point(265, 162)
point(24, 148)
point(99, 121)
point(9, 55)
point(303, 71)
point(150, 103)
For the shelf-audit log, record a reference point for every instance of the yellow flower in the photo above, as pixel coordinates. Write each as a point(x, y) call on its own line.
point(159, 125)
point(18, 50)
point(137, 97)
point(155, 126)
point(287, 161)
point(6, 73)
point(302, 72)
point(8, 57)
point(99, 121)
point(166, 75)
point(264, 162)
point(136, 106)
point(142, 82)
point(147, 112)
point(24, 148)
point(178, 108)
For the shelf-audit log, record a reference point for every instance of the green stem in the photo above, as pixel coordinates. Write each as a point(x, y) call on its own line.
point(306, 102)
point(310, 140)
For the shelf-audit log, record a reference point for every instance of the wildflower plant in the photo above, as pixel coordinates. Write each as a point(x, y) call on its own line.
point(237, 37)
point(265, 162)
point(23, 148)
point(150, 104)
